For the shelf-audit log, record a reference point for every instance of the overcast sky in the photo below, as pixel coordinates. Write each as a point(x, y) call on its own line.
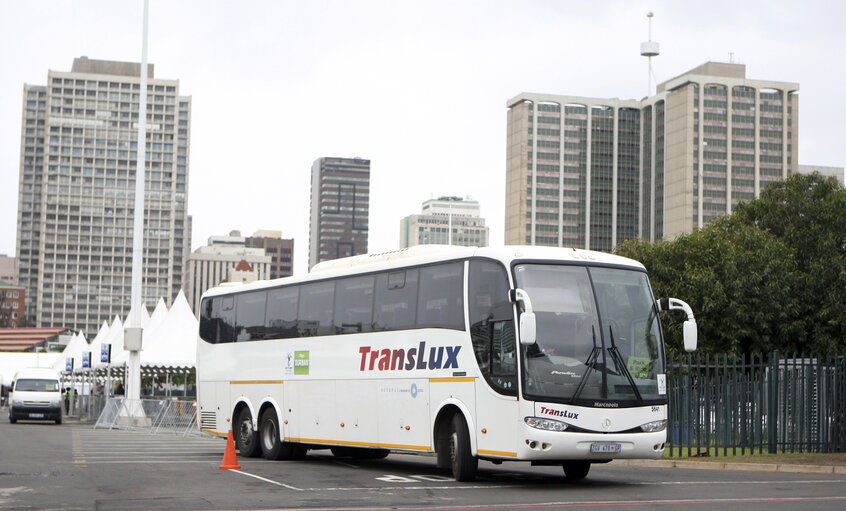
point(417, 87)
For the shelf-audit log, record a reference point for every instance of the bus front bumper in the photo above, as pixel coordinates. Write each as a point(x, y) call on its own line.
point(562, 445)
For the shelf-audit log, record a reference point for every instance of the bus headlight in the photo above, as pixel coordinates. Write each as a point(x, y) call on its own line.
point(654, 426)
point(546, 424)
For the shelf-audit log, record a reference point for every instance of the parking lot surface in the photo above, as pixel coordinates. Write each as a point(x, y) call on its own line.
point(73, 466)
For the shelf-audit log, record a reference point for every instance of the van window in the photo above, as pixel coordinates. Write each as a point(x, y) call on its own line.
point(36, 385)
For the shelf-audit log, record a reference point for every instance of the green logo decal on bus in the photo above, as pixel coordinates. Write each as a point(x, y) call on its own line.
point(301, 362)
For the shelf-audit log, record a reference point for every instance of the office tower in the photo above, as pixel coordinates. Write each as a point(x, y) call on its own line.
point(340, 204)
point(835, 172)
point(224, 259)
point(77, 190)
point(440, 216)
point(279, 249)
point(592, 173)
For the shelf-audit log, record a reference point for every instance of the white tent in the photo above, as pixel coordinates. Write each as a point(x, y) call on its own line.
point(97, 343)
point(173, 343)
point(74, 350)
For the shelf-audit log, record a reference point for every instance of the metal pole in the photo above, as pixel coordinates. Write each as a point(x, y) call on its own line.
point(133, 388)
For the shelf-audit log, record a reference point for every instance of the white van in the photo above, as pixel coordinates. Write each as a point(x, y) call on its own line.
point(36, 394)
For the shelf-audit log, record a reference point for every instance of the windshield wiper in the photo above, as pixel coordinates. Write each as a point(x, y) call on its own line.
point(621, 366)
point(591, 366)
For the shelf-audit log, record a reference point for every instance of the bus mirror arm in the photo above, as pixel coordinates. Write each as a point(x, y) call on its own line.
point(689, 328)
point(528, 325)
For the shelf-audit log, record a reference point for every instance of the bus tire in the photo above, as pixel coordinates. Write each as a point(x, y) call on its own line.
point(464, 464)
point(270, 438)
point(576, 469)
point(246, 438)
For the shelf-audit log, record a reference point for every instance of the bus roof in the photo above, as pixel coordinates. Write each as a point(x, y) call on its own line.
point(425, 254)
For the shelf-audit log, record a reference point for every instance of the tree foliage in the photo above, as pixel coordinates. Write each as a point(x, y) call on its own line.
point(808, 214)
point(739, 280)
point(770, 276)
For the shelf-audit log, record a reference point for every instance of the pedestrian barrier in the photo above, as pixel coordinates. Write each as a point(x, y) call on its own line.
point(151, 415)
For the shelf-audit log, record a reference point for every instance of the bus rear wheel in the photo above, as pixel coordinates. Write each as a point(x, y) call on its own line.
point(464, 464)
point(246, 439)
point(576, 469)
point(273, 447)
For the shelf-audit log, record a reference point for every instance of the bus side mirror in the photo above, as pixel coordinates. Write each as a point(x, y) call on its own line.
point(528, 324)
point(689, 327)
point(528, 328)
point(689, 334)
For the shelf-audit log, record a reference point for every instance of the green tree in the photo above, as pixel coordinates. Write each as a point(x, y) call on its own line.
point(808, 214)
point(739, 280)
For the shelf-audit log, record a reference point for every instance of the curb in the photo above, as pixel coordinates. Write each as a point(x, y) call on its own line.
point(748, 467)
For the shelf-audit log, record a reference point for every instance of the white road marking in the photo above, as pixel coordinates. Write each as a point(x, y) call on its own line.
point(267, 480)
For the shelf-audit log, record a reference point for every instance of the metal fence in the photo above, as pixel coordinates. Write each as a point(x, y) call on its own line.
point(725, 405)
point(150, 415)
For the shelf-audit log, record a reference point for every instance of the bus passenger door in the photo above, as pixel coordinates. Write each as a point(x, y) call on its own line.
point(492, 334)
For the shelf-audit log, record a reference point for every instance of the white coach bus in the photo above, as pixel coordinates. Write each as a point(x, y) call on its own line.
point(548, 355)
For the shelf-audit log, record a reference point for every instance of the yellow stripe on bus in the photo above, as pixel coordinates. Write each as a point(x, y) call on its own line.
point(498, 453)
point(214, 432)
point(257, 382)
point(445, 380)
point(359, 444)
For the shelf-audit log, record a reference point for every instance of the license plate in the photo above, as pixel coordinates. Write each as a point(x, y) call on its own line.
point(605, 448)
point(36, 416)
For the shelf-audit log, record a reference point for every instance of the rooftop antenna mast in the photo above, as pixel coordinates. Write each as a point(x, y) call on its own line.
point(649, 49)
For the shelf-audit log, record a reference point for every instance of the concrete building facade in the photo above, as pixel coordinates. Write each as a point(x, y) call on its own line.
point(835, 172)
point(438, 216)
point(77, 185)
point(340, 209)
point(224, 259)
point(280, 250)
point(8, 273)
point(592, 173)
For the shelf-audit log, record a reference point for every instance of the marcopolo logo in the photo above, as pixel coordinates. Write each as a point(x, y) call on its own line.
point(386, 359)
point(301, 362)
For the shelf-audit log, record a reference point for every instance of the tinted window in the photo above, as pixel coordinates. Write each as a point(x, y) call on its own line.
point(396, 300)
point(440, 303)
point(281, 322)
point(249, 316)
point(492, 325)
point(354, 305)
point(217, 320)
point(315, 312)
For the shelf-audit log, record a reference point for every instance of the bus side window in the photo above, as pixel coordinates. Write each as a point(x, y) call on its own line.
point(281, 319)
point(492, 325)
point(315, 312)
point(439, 303)
point(395, 300)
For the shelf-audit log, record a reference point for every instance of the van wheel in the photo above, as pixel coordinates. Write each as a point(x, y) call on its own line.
point(59, 420)
point(11, 420)
point(246, 439)
point(576, 469)
point(464, 464)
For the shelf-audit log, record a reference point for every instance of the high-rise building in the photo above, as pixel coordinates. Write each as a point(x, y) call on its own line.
point(224, 259)
point(77, 190)
point(279, 249)
point(835, 172)
point(340, 206)
point(592, 173)
point(440, 216)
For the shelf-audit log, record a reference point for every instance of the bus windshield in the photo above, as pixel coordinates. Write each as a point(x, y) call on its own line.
point(598, 338)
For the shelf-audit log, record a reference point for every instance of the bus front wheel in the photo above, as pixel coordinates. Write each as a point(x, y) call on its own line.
point(246, 439)
point(464, 464)
point(576, 469)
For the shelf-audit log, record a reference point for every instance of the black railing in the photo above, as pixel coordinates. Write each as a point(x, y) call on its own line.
point(724, 405)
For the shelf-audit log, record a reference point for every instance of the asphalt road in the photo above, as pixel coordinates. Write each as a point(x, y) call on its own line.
point(72, 466)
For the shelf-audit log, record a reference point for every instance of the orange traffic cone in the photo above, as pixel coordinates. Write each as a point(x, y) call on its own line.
point(230, 460)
